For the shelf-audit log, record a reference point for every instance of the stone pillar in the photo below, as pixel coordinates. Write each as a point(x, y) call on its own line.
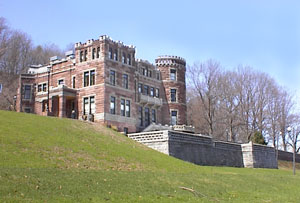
point(62, 106)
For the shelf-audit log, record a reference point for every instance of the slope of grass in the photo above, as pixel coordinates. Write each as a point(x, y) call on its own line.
point(51, 159)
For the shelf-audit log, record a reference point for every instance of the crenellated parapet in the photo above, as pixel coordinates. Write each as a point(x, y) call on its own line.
point(166, 60)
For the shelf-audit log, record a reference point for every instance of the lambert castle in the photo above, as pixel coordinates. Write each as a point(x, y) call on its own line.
point(104, 82)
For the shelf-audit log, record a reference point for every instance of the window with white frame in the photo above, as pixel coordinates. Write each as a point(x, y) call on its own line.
point(44, 87)
point(140, 87)
point(152, 91)
point(89, 78)
point(89, 105)
point(157, 92)
point(40, 88)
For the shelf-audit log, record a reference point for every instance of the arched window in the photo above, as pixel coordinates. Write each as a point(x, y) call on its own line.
point(116, 55)
point(85, 55)
point(128, 59)
point(98, 52)
point(124, 58)
point(93, 53)
point(81, 56)
point(110, 56)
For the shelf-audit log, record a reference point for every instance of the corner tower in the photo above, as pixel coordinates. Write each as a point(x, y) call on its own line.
point(172, 70)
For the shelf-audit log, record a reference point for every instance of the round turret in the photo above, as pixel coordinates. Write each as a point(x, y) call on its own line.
point(172, 70)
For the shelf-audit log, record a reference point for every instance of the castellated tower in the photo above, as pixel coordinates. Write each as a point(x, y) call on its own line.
point(172, 70)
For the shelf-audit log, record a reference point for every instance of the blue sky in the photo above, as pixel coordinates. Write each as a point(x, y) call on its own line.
point(264, 34)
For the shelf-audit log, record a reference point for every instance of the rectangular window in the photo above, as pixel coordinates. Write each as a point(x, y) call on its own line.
point(116, 55)
point(173, 95)
point(146, 89)
point(140, 88)
point(124, 58)
point(92, 105)
point(86, 79)
point(110, 56)
point(92, 77)
point(152, 91)
point(86, 106)
point(128, 59)
point(174, 118)
point(113, 105)
point(147, 117)
point(27, 92)
point(150, 73)
point(81, 56)
point(73, 82)
point(40, 88)
point(141, 115)
point(44, 87)
point(112, 77)
point(61, 82)
point(125, 81)
point(153, 116)
point(172, 74)
point(122, 107)
point(127, 108)
point(157, 92)
point(144, 71)
point(93, 53)
point(157, 76)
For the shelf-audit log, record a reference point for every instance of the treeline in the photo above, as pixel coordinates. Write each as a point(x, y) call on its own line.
point(17, 53)
point(239, 105)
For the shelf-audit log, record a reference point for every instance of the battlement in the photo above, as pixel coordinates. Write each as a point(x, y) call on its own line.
point(103, 38)
point(167, 60)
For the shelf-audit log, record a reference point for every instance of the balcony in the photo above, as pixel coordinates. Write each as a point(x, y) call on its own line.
point(145, 99)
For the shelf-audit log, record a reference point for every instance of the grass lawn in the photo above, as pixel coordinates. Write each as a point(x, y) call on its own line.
point(62, 160)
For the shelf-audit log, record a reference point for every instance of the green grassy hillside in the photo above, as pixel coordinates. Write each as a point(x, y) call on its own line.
point(50, 159)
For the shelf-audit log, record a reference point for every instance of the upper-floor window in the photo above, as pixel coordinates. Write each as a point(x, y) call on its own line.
point(93, 53)
point(128, 59)
point(127, 108)
point(61, 82)
point(110, 54)
point(125, 81)
point(157, 76)
point(172, 74)
point(39, 88)
point(157, 92)
point(116, 55)
point(152, 91)
point(140, 87)
point(146, 89)
point(124, 58)
point(112, 77)
point(150, 73)
point(85, 55)
point(173, 117)
point(122, 107)
point(81, 56)
point(173, 95)
point(113, 105)
point(89, 78)
point(44, 87)
point(98, 52)
point(27, 91)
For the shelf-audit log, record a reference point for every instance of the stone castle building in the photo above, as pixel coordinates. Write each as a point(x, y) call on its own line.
point(104, 82)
